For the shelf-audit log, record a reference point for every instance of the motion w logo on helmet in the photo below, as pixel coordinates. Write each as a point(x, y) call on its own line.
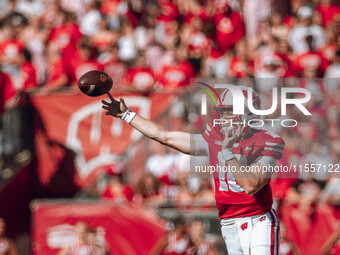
point(245, 105)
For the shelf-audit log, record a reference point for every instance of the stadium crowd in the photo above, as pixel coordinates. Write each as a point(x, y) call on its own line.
point(157, 45)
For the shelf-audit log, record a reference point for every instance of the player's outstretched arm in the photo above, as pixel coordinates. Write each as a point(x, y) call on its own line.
point(174, 139)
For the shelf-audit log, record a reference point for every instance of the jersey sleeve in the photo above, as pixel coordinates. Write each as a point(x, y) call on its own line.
point(267, 162)
point(273, 146)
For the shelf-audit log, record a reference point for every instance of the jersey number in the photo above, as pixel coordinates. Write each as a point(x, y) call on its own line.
point(227, 180)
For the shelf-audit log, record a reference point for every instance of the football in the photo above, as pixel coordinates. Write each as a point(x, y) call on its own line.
point(95, 83)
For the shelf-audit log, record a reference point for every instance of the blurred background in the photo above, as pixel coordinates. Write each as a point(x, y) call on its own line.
point(73, 181)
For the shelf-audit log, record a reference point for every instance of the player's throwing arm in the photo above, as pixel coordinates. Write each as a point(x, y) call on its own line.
point(174, 139)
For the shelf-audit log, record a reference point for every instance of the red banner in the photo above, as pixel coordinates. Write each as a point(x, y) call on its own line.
point(77, 227)
point(74, 126)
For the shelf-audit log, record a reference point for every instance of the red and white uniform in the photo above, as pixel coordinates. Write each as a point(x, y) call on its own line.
point(249, 225)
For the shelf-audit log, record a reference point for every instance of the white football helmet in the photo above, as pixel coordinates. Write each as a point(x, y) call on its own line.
point(227, 104)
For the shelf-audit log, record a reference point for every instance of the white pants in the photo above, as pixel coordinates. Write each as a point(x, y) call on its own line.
point(256, 235)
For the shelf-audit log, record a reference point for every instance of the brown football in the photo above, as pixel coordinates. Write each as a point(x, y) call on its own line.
point(95, 83)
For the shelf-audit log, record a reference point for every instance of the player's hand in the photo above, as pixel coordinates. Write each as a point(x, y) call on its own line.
point(115, 108)
point(232, 137)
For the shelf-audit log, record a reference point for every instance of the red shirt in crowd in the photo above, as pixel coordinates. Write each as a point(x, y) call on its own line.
point(140, 78)
point(238, 67)
point(202, 14)
point(109, 6)
point(290, 21)
point(28, 76)
point(328, 12)
point(65, 36)
point(176, 75)
point(78, 66)
point(329, 51)
point(311, 60)
point(56, 71)
point(126, 193)
point(286, 65)
point(169, 11)
point(229, 29)
point(10, 48)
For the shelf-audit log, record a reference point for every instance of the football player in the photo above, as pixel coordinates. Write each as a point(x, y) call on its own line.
point(243, 198)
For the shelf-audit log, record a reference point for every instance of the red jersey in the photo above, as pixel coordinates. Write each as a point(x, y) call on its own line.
point(231, 200)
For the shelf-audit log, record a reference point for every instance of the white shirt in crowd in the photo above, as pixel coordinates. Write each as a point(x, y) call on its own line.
point(90, 23)
point(298, 34)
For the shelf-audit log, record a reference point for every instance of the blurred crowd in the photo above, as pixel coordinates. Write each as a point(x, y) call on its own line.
point(157, 45)
point(87, 241)
point(7, 245)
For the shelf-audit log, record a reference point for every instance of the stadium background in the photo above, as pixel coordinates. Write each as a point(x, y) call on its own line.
point(51, 190)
